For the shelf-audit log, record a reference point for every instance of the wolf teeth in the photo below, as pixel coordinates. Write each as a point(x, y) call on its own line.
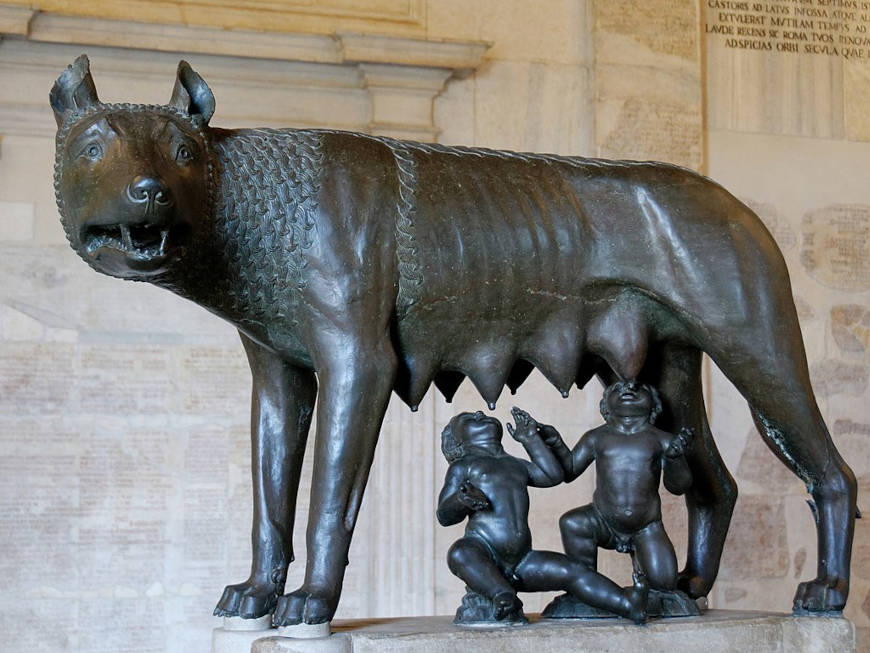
point(125, 237)
point(164, 234)
point(120, 237)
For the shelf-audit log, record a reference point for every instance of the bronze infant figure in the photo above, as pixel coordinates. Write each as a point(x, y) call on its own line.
point(495, 558)
point(631, 459)
point(354, 266)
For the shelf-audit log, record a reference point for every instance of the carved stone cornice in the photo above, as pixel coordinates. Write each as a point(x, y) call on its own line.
point(340, 48)
point(460, 57)
point(386, 84)
point(15, 20)
point(402, 99)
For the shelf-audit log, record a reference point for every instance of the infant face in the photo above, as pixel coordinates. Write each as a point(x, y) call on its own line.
point(630, 400)
point(477, 428)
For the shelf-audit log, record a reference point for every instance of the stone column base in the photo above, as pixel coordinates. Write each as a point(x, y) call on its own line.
point(716, 630)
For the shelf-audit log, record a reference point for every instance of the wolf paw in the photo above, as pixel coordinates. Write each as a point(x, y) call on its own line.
point(304, 606)
point(248, 600)
point(692, 584)
point(821, 595)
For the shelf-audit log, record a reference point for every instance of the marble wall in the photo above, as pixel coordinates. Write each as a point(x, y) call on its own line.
point(785, 134)
point(124, 460)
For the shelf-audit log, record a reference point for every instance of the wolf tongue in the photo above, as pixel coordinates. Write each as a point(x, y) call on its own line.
point(125, 237)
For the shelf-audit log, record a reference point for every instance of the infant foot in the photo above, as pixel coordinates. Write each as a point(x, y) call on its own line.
point(507, 605)
point(637, 597)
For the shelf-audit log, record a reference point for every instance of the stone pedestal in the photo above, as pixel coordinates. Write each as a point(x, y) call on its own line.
point(237, 635)
point(716, 630)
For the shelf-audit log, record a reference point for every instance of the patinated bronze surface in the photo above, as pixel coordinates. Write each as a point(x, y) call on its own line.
point(354, 266)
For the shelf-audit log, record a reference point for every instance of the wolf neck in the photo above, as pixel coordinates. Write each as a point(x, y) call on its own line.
point(248, 263)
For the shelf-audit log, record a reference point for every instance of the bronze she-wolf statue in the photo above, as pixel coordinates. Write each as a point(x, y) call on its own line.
point(354, 266)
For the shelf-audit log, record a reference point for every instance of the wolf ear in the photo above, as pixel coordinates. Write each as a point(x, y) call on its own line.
point(74, 90)
point(191, 94)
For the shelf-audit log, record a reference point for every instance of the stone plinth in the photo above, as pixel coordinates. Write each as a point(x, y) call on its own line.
point(716, 630)
point(237, 635)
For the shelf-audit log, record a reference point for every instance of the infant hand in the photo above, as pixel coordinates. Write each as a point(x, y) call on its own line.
point(550, 435)
point(471, 497)
point(680, 443)
point(526, 426)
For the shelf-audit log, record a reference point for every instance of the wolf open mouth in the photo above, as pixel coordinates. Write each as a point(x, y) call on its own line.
point(142, 241)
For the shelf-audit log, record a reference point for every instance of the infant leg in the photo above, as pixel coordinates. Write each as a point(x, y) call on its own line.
point(542, 571)
point(470, 560)
point(582, 534)
point(655, 556)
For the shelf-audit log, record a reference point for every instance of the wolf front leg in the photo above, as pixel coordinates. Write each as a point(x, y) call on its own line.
point(356, 382)
point(282, 401)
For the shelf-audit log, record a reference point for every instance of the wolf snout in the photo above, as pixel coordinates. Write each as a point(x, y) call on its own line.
point(149, 191)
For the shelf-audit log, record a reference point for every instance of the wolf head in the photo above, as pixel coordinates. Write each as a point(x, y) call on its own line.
point(133, 182)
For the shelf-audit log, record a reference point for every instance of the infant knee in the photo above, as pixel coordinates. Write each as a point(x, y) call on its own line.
point(458, 557)
point(661, 574)
point(663, 582)
point(573, 523)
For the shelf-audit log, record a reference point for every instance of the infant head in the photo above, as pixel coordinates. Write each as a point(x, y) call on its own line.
point(469, 429)
point(630, 399)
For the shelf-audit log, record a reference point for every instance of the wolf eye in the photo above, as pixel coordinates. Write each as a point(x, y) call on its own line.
point(182, 154)
point(93, 151)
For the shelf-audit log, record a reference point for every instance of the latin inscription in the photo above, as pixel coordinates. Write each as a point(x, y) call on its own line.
point(850, 326)
point(783, 233)
point(650, 130)
point(830, 28)
point(835, 248)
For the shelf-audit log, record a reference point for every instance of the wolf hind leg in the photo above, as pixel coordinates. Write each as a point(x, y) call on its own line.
point(777, 388)
point(813, 457)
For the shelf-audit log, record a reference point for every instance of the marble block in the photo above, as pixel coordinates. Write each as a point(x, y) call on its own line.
point(716, 630)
